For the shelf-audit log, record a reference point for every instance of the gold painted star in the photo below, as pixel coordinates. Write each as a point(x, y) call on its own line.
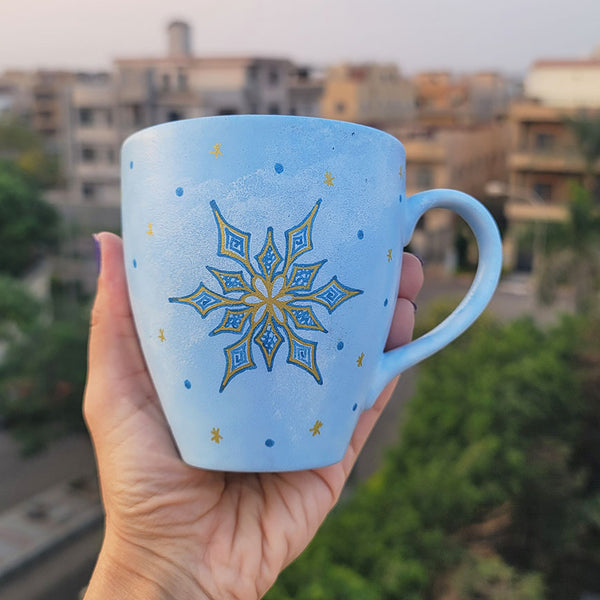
point(360, 359)
point(389, 255)
point(316, 428)
point(150, 232)
point(216, 435)
point(216, 150)
point(161, 336)
point(401, 171)
point(329, 179)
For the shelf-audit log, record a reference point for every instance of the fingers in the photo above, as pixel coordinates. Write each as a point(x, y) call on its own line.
point(403, 322)
point(411, 281)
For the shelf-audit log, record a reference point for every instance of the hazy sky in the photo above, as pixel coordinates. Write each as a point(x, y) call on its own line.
point(460, 35)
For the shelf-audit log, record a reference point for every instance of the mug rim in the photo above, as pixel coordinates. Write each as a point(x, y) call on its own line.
point(258, 117)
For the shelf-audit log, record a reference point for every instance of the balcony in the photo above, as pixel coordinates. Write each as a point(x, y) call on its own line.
point(424, 151)
point(566, 161)
point(549, 213)
point(98, 172)
point(97, 135)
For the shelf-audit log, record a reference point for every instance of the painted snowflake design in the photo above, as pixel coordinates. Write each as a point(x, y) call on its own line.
point(267, 304)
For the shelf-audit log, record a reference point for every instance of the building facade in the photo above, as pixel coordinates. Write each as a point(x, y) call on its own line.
point(465, 158)
point(544, 160)
point(371, 94)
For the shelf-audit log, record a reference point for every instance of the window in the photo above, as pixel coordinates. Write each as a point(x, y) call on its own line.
point(138, 114)
point(174, 115)
point(252, 72)
point(88, 154)
point(274, 108)
point(228, 111)
point(86, 116)
point(424, 177)
point(88, 190)
point(166, 82)
point(543, 191)
point(182, 82)
point(544, 141)
point(273, 77)
point(340, 107)
point(111, 156)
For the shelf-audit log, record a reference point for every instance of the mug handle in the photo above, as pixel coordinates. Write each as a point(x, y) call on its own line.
point(477, 217)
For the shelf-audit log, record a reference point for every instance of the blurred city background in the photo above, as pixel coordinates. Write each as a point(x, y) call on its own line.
point(483, 479)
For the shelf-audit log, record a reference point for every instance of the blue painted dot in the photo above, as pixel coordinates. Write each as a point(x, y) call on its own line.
point(340, 345)
point(134, 263)
point(131, 164)
point(400, 198)
point(187, 384)
point(278, 167)
point(385, 303)
point(179, 191)
point(269, 443)
point(360, 234)
point(355, 406)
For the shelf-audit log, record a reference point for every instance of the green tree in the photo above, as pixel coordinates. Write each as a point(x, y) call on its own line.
point(490, 578)
point(572, 253)
point(586, 131)
point(42, 362)
point(23, 147)
point(18, 309)
point(28, 224)
point(42, 378)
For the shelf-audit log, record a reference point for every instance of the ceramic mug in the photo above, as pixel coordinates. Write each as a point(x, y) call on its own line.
point(263, 255)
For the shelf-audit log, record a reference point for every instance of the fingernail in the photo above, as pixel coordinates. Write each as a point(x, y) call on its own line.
point(414, 305)
point(421, 261)
point(98, 252)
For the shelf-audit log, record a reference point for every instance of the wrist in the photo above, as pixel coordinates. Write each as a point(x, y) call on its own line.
point(125, 571)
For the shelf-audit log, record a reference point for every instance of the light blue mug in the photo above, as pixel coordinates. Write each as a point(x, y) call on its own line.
point(263, 255)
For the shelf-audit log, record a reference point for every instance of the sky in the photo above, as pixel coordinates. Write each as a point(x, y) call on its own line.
point(459, 35)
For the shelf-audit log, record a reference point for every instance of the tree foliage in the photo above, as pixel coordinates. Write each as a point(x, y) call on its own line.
point(23, 147)
point(572, 253)
point(497, 460)
point(28, 224)
point(42, 378)
point(43, 352)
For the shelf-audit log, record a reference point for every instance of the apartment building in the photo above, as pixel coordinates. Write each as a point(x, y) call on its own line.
point(544, 159)
point(446, 100)
point(371, 94)
point(104, 109)
point(85, 117)
point(37, 97)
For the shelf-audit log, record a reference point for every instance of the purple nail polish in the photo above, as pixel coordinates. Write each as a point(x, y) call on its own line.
point(97, 252)
point(414, 305)
point(420, 260)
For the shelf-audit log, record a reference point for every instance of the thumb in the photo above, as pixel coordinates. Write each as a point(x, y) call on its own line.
point(117, 375)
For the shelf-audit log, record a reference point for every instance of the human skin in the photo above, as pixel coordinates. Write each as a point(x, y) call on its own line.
point(174, 531)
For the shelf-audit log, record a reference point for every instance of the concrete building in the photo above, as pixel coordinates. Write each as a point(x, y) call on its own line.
point(85, 117)
point(104, 109)
point(446, 100)
point(371, 94)
point(465, 158)
point(544, 159)
point(37, 98)
point(91, 157)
